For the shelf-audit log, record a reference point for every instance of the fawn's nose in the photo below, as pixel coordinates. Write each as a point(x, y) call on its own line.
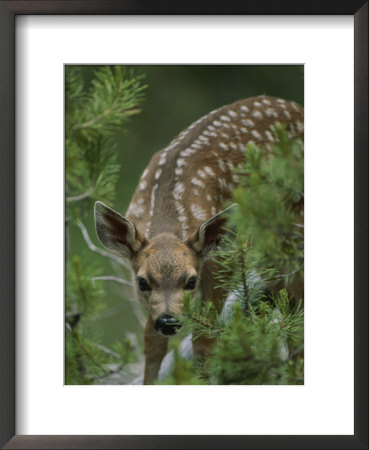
point(166, 324)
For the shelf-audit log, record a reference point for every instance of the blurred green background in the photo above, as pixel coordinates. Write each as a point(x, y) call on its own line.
point(176, 96)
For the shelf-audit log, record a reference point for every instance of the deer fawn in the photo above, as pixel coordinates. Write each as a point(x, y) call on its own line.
point(176, 214)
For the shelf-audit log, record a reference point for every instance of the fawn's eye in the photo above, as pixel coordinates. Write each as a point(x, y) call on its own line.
point(190, 284)
point(142, 285)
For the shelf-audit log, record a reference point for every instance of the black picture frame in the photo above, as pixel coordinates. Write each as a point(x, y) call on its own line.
point(8, 12)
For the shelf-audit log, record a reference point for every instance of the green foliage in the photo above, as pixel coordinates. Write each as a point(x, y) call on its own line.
point(261, 261)
point(93, 114)
point(254, 348)
point(270, 199)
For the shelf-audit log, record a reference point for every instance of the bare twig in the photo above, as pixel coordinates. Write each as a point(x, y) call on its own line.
point(77, 198)
point(133, 303)
point(98, 250)
point(112, 278)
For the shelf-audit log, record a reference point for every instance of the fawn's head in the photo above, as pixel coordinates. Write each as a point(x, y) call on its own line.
point(164, 266)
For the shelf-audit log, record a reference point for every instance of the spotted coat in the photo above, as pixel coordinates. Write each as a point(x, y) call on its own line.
point(191, 179)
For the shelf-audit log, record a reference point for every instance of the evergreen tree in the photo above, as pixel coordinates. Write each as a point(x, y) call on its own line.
point(261, 340)
point(94, 113)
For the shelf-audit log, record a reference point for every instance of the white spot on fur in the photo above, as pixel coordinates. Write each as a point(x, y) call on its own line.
point(257, 104)
point(230, 165)
point(201, 174)
point(143, 185)
point(270, 112)
point(287, 114)
point(208, 198)
point(163, 159)
point(137, 209)
point(216, 123)
point(187, 152)
point(243, 130)
point(223, 184)
point(152, 206)
point(145, 172)
point(221, 165)
point(209, 171)
point(198, 212)
point(211, 128)
point(178, 191)
point(235, 178)
point(213, 211)
point(266, 102)
point(195, 192)
point(225, 119)
point(233, 146)
point(157, 174)
point(223, 146)
point(269, 136)
point(178, 171)
point(244, 108)
point(295, 106)
point(299, 126)
point(257, 114)
point(232, 113)
point(256, 134)
point(224, 136)
point(181, 162)
point(197, 182)
point(248, 123)
point(203, 138)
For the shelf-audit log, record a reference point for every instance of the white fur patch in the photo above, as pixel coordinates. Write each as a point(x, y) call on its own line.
point(248, 123)
point(269, 136)
point(270, 112)
point(197, 182)
point(299, 126)
point(201, 174)
point(143, 185)
point(221, 165)
point(209, 171)
point(157, 174)
point(178, 191)
point(187, 152)
point(181, 162)
point(256, 134)
point(232, 113)
point(198, 212)
point(244, 108)
point(256, 114)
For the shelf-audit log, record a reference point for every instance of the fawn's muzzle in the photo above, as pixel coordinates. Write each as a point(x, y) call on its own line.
point(167, 325)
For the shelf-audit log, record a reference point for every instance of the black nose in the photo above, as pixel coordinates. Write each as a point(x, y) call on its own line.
point(167, 325)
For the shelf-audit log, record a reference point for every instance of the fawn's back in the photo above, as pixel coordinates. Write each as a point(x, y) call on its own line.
point(190, 180)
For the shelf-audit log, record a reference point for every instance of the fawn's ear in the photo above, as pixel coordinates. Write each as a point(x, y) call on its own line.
point(209, 233)
point(116, 233)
